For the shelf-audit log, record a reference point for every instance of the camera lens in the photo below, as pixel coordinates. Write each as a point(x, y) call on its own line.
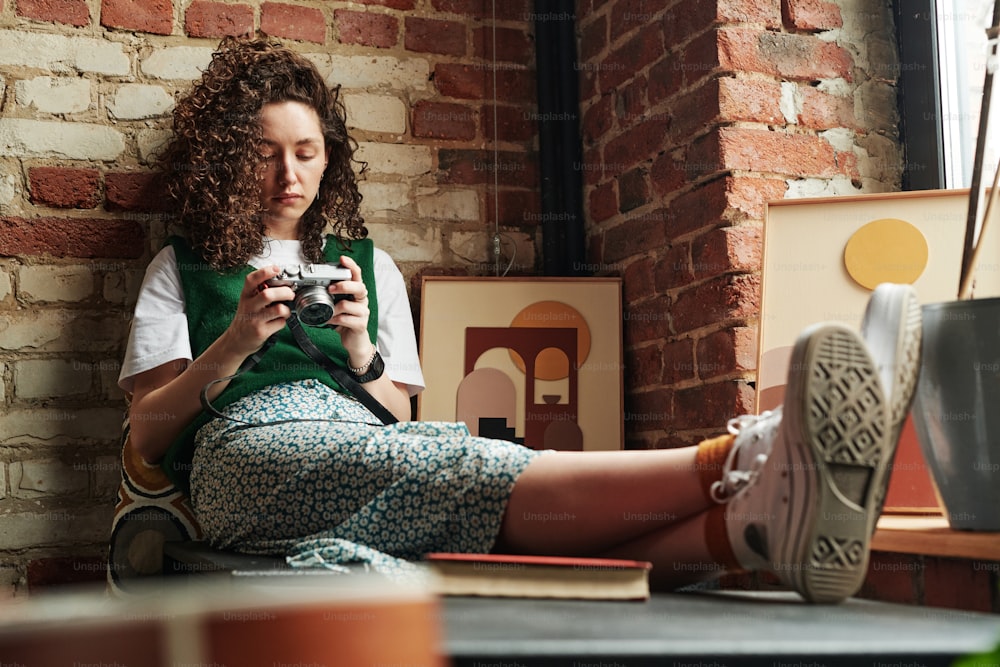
point(313, 305)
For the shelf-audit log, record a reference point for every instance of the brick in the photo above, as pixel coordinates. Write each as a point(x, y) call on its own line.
point(135, 101)
point(593, 39)
point(666, 79)
point(58, 52)
point(643, 366)
point(395, 158)
point(637, 235)
point(462, 81)
point(516, 208)
point(48, 526)
point(382, 199)
point(750, 100)
point(70, 12)
point(443, 120)
point(674, 268)
point(726, 250)
point(370, 71)
point(45, 573)
point(694, 111)
point(648, 320)
point(375, 113)
point(602, 202)
point(366, 28)
point(598, 119)
point(892, 578)
point(42, 283)
point(132, 191)
point(153, 16)
point(724, 299)
point(514, 46)
point(36, 478)
point(448, 204)
point(725, 352)
point(23, 137)
point(793, 57)
point(958, 584)
point(177, 62)
point(776, 152)
point(512, 123)
point(633, 189)
point(305, 24)
point(519, 10)
point(814, 15)
point(667, 175)
point(629, 15)
point(56, 95)
point(150, 143)
point(648, 410)
point(215, 19)
point(822, 111)
point(70, 237)
point(434, 36)
point(625, 60)
point(678, 361)
point(710, 406)
point(61, 424)
point(635, 145)
point(409, 243)
point(64, 187)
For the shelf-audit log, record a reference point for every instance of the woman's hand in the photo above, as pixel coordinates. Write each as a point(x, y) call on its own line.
point(351, 316)
point(261, 311)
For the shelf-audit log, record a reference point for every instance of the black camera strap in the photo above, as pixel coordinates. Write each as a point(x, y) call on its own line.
point(339, 374)
point(309, 347)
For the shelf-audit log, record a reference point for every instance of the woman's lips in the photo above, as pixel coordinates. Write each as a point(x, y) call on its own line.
point(287, 198)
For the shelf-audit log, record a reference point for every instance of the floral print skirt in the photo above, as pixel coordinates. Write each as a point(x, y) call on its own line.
point(315, 477)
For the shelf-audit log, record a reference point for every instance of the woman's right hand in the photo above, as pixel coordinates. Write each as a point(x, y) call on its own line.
point(261, 312)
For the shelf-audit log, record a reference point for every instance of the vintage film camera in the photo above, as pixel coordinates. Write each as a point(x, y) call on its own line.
point(313, 303)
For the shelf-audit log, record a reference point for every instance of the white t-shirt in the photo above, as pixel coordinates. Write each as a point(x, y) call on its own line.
point(159, 331)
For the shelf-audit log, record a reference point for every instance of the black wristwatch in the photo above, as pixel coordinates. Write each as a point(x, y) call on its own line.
point(371, 371)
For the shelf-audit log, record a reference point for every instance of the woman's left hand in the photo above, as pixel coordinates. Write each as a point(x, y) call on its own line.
point(350, 316)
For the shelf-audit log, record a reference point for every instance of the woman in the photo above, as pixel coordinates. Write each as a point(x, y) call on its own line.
point(259, 168)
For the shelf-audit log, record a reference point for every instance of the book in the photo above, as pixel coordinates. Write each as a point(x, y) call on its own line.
point(501, 575)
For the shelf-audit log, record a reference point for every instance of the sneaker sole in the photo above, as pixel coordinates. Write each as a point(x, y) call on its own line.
point(836, 439)
point(892, 329)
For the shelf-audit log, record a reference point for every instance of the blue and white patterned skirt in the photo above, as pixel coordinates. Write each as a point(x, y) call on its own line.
point(342, 488)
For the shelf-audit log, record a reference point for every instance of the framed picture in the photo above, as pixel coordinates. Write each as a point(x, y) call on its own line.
point(536, 361)
point(821, 259)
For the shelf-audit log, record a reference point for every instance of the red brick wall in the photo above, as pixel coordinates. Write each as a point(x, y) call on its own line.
point(695, 113)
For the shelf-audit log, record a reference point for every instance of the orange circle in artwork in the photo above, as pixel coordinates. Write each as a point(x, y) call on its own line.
point(886, 251)
point(552, 364)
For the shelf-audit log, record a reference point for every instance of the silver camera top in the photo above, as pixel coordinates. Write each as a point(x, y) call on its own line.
point(303, 275)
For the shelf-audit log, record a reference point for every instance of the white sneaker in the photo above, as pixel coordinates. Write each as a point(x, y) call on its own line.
point(805, 513)
point(892, 330)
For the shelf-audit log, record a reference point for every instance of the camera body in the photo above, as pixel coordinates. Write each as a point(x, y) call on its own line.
point(313, 303)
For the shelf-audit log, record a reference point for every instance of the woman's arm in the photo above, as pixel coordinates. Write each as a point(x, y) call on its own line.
point(166, 399)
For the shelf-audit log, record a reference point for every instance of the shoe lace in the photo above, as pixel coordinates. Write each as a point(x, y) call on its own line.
point(734, 480)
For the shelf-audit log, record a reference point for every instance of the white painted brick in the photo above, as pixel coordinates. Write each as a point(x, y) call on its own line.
point(60, 425)
point(8, 189)
point(56, 526)
point(151, 142)
point(6, 286)
point(474, 247)
point(47, 378)
point(57, 330)
point(60, 53)
point(447, 204)
point(3, 397)
point(382, 199)
point(3, 481)
point(107, 475)
point(13, 584)
point(54, 94)
point(33, 479)
point(22, 137)
point(408, 243)
point(135, 101)
point(395, 158)
point(177, 62)
point(373, 72)
point(375, 113)
point(55, 283)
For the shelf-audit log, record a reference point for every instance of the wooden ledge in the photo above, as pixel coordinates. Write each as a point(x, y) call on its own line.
point(931, 536)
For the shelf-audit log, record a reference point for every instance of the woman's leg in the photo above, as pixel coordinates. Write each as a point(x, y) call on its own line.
point(585, 503)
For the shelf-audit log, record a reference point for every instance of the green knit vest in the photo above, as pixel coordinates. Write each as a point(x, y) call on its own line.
point(211, 298)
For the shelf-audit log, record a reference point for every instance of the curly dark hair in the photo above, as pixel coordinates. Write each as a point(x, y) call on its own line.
point(212, 166)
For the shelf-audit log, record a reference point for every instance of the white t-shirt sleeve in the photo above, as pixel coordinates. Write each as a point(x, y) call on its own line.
point(397, 340)
point(159, 331)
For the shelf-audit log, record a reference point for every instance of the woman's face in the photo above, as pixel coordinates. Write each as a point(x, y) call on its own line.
point(295, 157)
